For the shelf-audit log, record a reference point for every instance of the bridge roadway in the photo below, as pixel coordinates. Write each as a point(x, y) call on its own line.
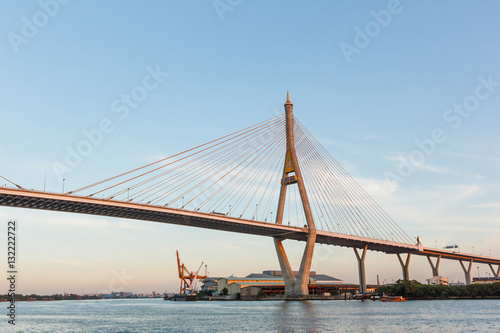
point(85, 205)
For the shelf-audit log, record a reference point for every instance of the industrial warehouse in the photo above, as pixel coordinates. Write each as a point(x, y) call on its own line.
point(270, 283)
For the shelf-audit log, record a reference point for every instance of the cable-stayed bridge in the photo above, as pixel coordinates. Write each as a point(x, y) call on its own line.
point(272, 179)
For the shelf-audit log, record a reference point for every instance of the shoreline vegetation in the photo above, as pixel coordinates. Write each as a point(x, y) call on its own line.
point(411, 290)
point(414, 290)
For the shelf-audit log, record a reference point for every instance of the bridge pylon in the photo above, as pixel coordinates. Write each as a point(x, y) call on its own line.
point(435, 267)
point(294, 285)
point(405, 265)
point(467, 271)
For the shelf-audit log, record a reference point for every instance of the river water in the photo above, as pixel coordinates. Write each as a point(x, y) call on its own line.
point(157, 315)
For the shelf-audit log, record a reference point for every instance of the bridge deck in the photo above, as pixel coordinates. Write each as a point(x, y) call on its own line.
point(112, 208)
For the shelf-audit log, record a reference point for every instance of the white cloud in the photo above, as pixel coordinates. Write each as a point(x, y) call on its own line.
point(418, 166)
point(366, 137)
point(487, 205)
point(476, 157)
point(377, 187)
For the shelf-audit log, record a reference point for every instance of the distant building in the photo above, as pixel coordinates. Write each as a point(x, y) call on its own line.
point(271, 282)
point(438, 280)
point(485, 280)
point(250, 292)
point(210, 284)
point(235, 284)
point(458, 283)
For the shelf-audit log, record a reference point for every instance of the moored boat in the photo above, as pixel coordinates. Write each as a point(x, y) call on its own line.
point(393, 299)
point(181, 298)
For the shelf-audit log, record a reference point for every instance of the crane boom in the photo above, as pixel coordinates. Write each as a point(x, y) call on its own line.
point(188, 278)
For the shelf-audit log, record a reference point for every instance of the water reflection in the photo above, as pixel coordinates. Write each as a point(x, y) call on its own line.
point(297, 315)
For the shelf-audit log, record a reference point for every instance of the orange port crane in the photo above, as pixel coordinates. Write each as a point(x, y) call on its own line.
point(188, 279)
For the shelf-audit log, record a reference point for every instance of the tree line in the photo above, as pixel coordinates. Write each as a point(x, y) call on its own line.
point(415, 290)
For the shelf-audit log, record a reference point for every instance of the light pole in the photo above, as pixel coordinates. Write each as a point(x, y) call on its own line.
point(64, 179)
point(478, 272)
point(473, 250)
point(128, 194)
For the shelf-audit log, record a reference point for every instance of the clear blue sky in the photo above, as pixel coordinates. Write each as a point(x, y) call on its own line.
point(229, 68)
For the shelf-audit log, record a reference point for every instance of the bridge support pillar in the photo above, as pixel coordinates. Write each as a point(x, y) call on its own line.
point(435, 268)
point(299, 285)
point(302, 283)
point(286, 270)
point(361, 269)
point(497, 273)
point(467, 271)
point(405, 266)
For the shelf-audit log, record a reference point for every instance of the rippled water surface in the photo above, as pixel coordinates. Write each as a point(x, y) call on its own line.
point(157, 315)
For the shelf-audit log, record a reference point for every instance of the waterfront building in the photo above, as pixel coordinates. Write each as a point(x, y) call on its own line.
point(485, 280)
point(271, 282)
point(438, 280)
point(210, 284)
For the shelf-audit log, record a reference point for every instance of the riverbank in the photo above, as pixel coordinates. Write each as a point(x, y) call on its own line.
point(414, 290)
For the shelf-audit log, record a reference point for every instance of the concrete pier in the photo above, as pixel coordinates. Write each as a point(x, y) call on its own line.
point(435, 268)
point(405, 266)
point(467, 271)
point(361, 269)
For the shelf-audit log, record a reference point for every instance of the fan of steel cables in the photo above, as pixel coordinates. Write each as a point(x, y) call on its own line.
point(239, 175)
point(338, 203)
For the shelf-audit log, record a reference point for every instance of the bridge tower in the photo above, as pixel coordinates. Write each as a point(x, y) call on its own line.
point(291, 175)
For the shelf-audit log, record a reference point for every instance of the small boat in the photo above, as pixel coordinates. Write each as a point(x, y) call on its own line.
point(393, 299)
point(181, 298)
